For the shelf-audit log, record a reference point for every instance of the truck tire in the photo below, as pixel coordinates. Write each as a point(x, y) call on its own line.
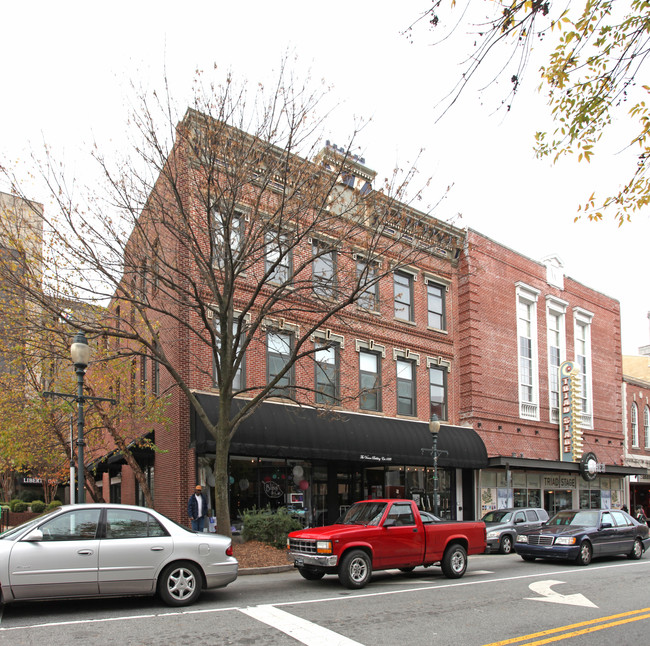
point(310, 574)
point(355, 569)
point(454, 561)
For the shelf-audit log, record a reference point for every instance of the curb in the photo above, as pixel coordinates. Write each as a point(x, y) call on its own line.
point(265, 570)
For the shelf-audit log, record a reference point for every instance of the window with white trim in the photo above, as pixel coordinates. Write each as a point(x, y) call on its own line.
point(403, 296)
point(556, 348)
point(367, 272)
point(227, 237)
point(634, 423)
point(278, 350)
point(438, 392)
point(646, 426)
point(527, 351)
point(326, 359)
point(323, 269)
point(278, 259)
point(582, 340)
point(436, 305)
point(369, 380)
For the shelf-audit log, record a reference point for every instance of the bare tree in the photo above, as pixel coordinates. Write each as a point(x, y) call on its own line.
point(229, 223)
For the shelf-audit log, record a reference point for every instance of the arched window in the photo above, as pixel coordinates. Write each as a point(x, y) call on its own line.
point(634, 420)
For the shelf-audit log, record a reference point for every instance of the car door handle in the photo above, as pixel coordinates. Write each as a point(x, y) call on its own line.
point(85, 552)
point(157, 549)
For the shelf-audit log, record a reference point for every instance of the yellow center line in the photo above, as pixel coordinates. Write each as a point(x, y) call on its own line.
point(592, 628)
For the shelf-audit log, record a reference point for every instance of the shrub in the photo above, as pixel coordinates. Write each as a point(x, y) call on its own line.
point(13, 503)
point(38, 506)
point(27, 495)
point(268, 526)
point(54, 504)
point(20, 506)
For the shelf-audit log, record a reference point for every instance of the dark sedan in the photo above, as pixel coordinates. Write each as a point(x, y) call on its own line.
point(579, 535)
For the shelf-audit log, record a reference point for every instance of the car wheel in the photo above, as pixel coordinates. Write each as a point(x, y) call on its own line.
point(311, 574)
point(180, 584)
point(585, 553)
point(454, 561)
point(527, 558)
point(355, 569)
point(505, 546)
point(637, 550)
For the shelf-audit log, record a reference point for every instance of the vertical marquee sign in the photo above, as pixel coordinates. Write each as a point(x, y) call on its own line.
point(570, 431)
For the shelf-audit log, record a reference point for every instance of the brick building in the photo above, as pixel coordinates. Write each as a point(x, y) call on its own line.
point(520, 321)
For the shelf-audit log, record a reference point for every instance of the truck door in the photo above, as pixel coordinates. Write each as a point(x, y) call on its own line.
point(401, 543)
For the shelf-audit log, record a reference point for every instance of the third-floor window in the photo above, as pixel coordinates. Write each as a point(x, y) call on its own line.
point(403, 293)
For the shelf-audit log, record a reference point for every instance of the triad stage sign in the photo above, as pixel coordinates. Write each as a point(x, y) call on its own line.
point(570, 431)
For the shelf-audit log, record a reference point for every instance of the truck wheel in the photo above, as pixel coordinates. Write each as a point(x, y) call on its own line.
point(310, 574)
point(355, 569)
point(454, 561)
point(505, 546)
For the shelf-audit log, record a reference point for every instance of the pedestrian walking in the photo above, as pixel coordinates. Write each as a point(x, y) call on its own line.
point(197, 509)
point(640, 515)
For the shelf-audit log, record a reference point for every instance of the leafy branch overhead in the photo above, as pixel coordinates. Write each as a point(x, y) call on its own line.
point(591, 76)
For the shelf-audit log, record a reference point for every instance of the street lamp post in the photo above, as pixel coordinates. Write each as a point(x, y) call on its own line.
point(434, 428)
point(80, 353)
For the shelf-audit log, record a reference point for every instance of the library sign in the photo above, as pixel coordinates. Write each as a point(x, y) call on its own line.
point(570, 431)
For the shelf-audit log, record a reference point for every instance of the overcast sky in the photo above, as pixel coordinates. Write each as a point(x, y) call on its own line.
point(66, 68)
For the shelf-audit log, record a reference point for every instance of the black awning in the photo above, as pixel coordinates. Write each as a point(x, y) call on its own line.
point(285, 431)
point(556, 465)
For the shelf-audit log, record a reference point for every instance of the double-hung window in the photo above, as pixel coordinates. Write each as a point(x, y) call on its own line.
point(228, 233)
point(326, 359)
point(239, 378)
point(527, 351)
point(406, 388)
point(403, 296)
point(278, 351)
point(367, 273)
point(436, 306)
point(634, 423)
point(556, 345)
point(278, 257)
point(646, 426)
point(370, 380)
point(438, 392)
point(582, 340)
point(323, 269)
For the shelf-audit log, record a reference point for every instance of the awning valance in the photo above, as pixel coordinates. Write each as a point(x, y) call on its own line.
point(287, 431)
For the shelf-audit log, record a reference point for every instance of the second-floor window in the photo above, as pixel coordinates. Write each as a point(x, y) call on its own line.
point(555, 339)
point(278, 351)
point(438, 393)
point(646, 426)
point(405, 387)
point(326, 359)
point(403, 293)
point(582, 340)
point(369, 380)
point(634, 423)
point(239, 379)
point(527, 351)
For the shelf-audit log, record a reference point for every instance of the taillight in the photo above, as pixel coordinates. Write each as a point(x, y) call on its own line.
point(229, 551)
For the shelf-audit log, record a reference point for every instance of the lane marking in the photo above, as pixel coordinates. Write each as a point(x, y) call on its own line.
point(544, 588)
point(563, 572)
point(587, 627)
point(300, 629)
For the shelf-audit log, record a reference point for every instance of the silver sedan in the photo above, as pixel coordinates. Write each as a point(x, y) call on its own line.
point(113, 550)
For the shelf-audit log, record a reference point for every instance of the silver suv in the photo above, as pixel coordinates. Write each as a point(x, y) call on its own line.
point(504, 524)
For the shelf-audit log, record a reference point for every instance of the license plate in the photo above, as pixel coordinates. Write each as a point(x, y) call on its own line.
point(299, 562)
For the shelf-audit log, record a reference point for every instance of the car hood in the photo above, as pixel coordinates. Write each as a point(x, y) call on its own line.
point(317, 533)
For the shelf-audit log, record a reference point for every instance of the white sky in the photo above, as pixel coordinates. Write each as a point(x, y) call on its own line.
point(66, 67)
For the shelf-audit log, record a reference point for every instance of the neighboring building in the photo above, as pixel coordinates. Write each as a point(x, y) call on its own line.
point(636, 416)
point(520, 321)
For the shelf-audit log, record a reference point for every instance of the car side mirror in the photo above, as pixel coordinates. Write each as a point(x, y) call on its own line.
point(606, 526)
point(34, 536)
point(518, 521)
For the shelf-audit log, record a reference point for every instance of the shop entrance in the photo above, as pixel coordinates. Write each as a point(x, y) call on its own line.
point(557, 499)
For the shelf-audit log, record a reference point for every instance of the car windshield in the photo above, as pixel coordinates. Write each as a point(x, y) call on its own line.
point(497, 517)
point(582, 518)
point(365, 513)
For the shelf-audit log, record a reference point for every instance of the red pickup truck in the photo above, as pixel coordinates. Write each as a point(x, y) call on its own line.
point(381, 535)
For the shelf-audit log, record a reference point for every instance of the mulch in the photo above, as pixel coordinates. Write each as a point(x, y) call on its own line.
point(254, 554)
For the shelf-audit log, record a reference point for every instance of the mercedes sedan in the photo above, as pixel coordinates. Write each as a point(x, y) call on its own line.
point(111, 550)
point(579, 535)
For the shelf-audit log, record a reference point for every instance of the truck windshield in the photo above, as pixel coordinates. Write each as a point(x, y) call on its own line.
point(365, 513)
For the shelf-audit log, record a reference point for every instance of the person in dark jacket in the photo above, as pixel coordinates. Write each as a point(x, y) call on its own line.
point(197, 509)
point(640, 515)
